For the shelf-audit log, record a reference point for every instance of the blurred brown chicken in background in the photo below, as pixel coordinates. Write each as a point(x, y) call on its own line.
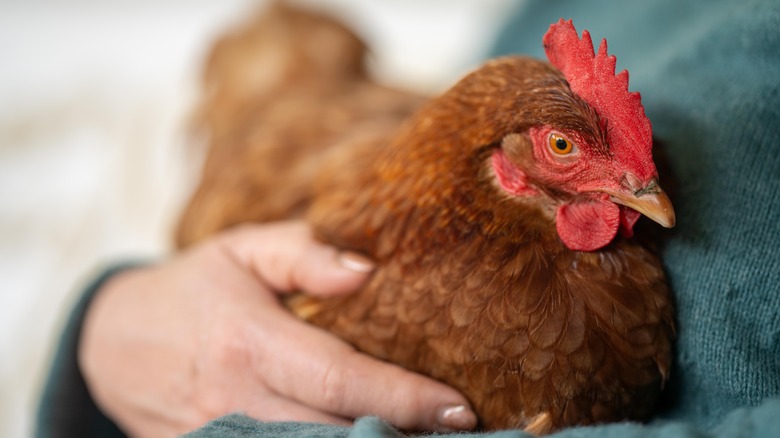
point(280, 93)
point(499, 272)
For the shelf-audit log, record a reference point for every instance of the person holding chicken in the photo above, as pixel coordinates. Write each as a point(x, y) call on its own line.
point(249, 355)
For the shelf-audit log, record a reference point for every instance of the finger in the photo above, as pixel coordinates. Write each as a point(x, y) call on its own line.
point(408, 400)
point(286, 257)
point(276, 408)
point(327, 374)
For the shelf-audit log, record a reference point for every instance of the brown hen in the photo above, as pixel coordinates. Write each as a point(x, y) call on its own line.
point(499, 213)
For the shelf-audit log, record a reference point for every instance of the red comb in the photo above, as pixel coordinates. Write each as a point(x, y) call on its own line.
point(593, 79)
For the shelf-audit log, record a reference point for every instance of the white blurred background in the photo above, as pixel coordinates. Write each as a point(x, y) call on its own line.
point(94, 156)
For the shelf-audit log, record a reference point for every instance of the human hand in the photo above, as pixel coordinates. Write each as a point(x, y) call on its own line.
point(166, 348)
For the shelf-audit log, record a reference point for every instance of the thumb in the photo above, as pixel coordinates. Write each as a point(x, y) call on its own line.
point(286, 257)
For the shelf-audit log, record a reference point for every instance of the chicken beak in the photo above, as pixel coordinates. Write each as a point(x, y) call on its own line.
point(650, 200)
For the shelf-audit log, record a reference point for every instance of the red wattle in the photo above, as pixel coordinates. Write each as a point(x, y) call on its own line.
point(588, 225)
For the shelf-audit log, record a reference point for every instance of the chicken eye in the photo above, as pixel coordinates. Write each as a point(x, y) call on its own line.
point(560, 145)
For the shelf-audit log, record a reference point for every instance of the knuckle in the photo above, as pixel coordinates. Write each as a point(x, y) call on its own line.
point(408, 400)
point(410, 411)
point(224, 359)
point(334, 388)
point(228, 348)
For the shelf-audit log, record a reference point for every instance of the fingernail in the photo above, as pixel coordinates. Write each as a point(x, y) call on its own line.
point(454, 418)
point(355, 262)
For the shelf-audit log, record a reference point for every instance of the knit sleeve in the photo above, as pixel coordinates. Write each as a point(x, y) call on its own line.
point(66, 408)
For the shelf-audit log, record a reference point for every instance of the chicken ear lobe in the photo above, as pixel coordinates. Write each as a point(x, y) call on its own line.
point(587, 225)
point(513, 180)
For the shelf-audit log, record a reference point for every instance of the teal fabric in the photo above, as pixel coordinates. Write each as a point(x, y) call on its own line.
point(66, 408)
point(709, 74)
